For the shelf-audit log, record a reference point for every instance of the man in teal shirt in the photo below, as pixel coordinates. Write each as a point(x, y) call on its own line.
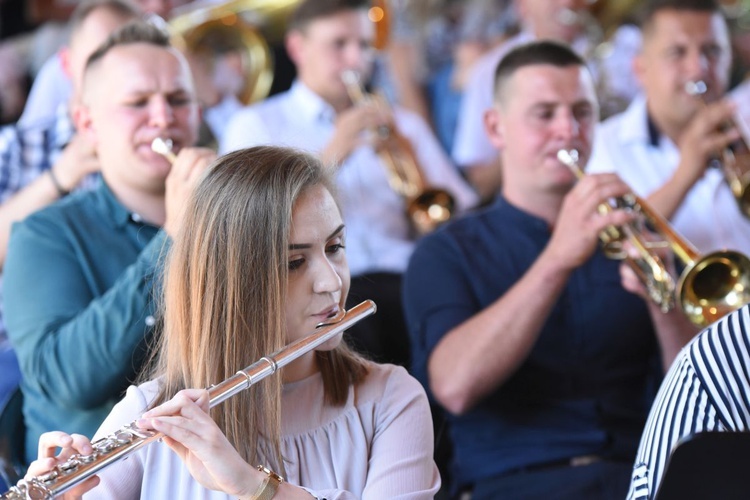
point(80, 276)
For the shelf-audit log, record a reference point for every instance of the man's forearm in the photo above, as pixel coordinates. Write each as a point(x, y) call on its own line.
point(479, 355)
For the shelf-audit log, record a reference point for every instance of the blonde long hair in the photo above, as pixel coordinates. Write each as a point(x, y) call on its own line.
point(225, 290)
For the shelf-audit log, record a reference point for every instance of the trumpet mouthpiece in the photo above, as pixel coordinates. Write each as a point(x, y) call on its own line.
point(698, 87)
point(163, 147)
point(568, 157)
point(350, 77)
point(568, 17)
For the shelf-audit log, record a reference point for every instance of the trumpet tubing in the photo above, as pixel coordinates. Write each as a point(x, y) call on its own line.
point(130, 438)
point(709, 287)
point(648, 266)
point(427, 207)
point(734, 159)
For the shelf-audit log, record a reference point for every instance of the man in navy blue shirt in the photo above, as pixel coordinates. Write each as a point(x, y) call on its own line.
point(521, 328)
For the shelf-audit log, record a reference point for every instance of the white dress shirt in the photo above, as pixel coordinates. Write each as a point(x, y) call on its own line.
point(471, 145)
point(708, 217)
point(51, 89)
point(378, 236)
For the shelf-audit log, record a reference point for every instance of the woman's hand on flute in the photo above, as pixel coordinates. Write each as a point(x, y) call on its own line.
point(207, 453)
point(69, 444)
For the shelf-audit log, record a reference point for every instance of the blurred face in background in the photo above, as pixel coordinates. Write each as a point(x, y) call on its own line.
point(327, 47)
point(91, 33)
point(560, 20)
point(680, 47)
point(135, 93)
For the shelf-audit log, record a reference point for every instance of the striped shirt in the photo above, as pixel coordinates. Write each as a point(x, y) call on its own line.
point(706, 389)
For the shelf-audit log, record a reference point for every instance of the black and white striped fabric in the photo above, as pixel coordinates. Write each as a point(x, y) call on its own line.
point(706, 389)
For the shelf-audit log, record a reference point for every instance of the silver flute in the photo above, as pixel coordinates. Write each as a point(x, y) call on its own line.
point(130, 438)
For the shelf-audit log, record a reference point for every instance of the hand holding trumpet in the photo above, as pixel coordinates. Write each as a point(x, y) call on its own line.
point(704, 138)
point(709, 287)
point(188, 166)
point(351, 130)
point(576, 233)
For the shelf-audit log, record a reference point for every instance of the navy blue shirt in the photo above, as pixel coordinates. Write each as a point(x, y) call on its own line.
point(587, 384)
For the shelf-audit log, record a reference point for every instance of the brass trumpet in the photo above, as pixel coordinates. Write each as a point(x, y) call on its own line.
point(426, 207)
point(734, 159)
point(709, 287)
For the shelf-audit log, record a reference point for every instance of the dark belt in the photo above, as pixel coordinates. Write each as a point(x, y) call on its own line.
point(579, 461)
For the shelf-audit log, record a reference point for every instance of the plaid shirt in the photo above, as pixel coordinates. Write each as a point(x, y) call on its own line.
point(27, 151)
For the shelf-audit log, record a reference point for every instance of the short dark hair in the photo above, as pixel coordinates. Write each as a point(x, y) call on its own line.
point(133, 32)
point(531, 54)
point(653, 7)
point(123, 8)
point(310, 10)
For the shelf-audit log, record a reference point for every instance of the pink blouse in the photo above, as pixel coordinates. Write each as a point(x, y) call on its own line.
point(378, 445)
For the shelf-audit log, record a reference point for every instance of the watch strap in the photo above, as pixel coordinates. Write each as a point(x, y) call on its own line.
point(270, 484)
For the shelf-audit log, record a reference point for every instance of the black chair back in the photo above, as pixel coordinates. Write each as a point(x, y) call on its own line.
point(12, 436)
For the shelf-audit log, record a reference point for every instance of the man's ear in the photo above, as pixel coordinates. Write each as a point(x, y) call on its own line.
point(294, 43)
point(493, 127)
point(638, 66)
point(521, 9)
point(82, 120)
point(64, 55)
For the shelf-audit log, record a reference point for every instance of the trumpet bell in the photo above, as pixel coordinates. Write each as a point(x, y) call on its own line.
point(714, 286)
point(431, 208)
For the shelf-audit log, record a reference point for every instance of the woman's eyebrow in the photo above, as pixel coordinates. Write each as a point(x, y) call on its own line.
point(302, 246)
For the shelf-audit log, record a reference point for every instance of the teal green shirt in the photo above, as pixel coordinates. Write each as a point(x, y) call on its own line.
point(79, 308)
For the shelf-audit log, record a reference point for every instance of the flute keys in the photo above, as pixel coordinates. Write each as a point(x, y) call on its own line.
point(87, 459)
point(50, 476)
point(124, 437)
point(70, 464)
point(106, 445)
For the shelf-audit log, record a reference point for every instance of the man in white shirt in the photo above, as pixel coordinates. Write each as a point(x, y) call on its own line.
point(565, 21)
point(325, 39)
point(663, 144)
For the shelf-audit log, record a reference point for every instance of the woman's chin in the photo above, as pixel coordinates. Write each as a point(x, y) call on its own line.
point(330, 344)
